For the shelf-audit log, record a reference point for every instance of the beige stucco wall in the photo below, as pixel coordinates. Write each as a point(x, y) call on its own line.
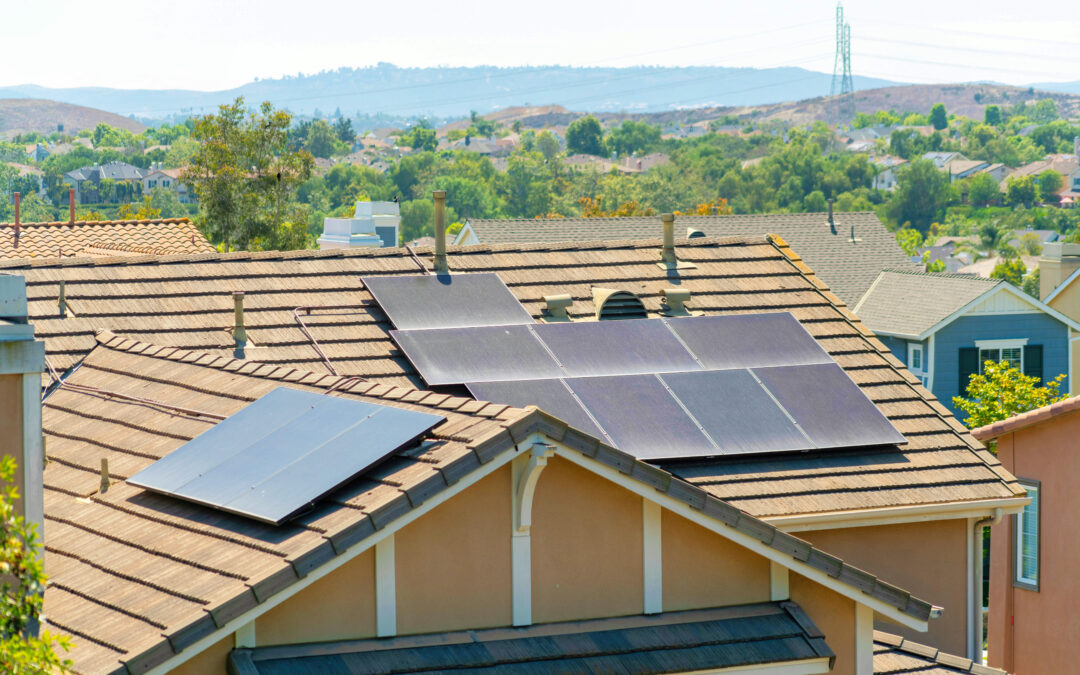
point(834, 615)
point(586, 546)
point(452, 565)
point(11, 434)
point(210, 661)
point(1029, 630)
point(703, 569)
point(1068, 303)
point(927, 559)
point(340, 606)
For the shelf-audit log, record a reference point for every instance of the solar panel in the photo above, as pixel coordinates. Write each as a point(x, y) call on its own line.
point(628, 347)
point(736, 411)
point(458, 355)
point(446, 300)
point(642, 417)
point(551, 396)
point(283, 452)
point(829, 406)
point(749, 340)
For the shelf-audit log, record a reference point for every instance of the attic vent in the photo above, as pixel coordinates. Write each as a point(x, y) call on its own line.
point(675, 300)
point(615, 304)
point(556, 306)
point(694, 233)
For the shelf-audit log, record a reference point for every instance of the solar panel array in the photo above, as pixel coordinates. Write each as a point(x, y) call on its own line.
point(280, 454)
point(446, 301)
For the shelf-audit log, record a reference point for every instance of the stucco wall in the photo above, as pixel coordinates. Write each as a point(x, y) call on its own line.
point(703, 569)
point(834, 615)
point(211, 661)
point(11, 436)
point(452, 565)
point(1040, 329)
point(586, 546)
point(1029, 630)
point(927, 559)
point(340, 606)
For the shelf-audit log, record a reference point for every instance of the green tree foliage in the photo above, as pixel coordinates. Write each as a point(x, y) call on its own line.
point(1011, 270)
point(1021, 190)
point(322, 140)
point(910, 240)
point(34, 209)
point(547, 144)
point(938, 118)
point(992, 115)
point(585, 136)
point(1044, 111)
point(421, 137)
point(344, 130)
point(23, 588)
point(1049, 184)
point(922, 191)
point(633, 137)
point(1030, 244)
point(246, 177)
point(180, 153)
point(106, 136)
point(165, 202)
point(1031, 284)
point(418, 219)
point(1002, 391)
point(983, 190)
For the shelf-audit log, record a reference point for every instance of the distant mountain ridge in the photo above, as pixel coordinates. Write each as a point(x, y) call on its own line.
point(20, 115)
point(451, 92)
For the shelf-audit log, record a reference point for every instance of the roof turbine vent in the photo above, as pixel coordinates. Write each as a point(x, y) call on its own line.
point(615, 304)
point(675, 300)
point(555, 308)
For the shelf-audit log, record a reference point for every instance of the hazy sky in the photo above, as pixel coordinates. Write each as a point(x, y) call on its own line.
point(218, 44)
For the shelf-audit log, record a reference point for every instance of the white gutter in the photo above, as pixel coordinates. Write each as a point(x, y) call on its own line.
point(975, 584)
point(920, 513)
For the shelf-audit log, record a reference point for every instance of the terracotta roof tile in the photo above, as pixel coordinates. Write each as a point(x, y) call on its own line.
point(106, 238)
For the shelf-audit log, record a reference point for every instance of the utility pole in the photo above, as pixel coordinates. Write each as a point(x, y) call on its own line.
point(843, 86)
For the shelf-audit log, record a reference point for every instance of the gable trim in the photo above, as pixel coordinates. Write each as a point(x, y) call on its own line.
point(1062, 286)
point(1002, 287)
point(465, 234)
point(920, 513)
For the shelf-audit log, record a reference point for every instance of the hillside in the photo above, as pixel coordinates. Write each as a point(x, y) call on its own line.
point(20, 115)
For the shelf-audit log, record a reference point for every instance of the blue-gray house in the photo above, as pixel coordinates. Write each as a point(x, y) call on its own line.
point(945, 326)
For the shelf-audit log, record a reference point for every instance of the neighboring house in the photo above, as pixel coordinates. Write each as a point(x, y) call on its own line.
point(169, 179)
point(847, 253)
point(996, 171)
point(1044, 236)
point(37, 153)
point(1033, 588)
point(942, 159)
point(87, 182)
point(1059, 269)
point(916, 529)
point(643, 163)
point(104, 238)
point(947, 254)
point(887, 168)
point(861, 146)
point(959, 169)
point(945, 326)
point(1066, 165)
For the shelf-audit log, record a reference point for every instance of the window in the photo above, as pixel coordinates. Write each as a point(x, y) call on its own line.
point(916, 361)
point(1010, 351)
point(153, 183)
point(164, 183)
point(1026, 543)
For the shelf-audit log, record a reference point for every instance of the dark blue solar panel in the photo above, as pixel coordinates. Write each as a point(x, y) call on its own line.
point(446, 300)
point(629, 347)
point(283, 452)
point(551, 396)
point(458, 355)
point(749, 340)
point(736, 411)
point(641, 417)
point(829, 406)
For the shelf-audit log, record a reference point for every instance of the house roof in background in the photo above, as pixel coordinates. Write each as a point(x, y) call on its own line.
point(673, 642)
point(906, 303)
point(137, 577)
point(94, 238)
point(894, 655)
point(111, 170)
point(847, 266)
point(1027, 419)
point(186, 302)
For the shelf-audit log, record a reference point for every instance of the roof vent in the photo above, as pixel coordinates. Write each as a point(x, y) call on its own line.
point(668, 260)
point(239, 333)
point(555, 308)
point(675, 300)
point(615, 304)
point(694, 233)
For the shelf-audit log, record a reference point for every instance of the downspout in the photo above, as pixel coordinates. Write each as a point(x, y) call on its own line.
point(975, 606)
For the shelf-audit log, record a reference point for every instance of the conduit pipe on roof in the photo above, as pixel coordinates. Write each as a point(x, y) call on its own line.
point(239, 334)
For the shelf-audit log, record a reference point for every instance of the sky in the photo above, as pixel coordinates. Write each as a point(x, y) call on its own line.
point(218, 44)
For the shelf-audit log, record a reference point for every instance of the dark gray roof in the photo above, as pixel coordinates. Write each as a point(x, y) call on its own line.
point(640, 645)
point(848, 265)
point(907, 303)
point(895, 655)
point(111, 170)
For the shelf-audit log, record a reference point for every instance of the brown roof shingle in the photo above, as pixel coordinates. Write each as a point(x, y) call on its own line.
point(96, 238)
point(894, 655)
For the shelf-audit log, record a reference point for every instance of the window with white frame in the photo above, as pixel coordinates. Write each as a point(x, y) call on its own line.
point(1010, 351)
point(1026, 543)
point(916, 361)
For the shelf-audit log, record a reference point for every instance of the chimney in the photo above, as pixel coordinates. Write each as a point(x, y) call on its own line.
point(239, 334)
point(440, 232)
point(71, 205)
point(668, 255)
point(18, 199)
point(1057, 263)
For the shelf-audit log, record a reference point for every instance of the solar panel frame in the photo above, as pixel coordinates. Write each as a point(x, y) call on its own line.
point(553, 396)
point(446, 356)
point(446, 300)
point(627, 347)
point(269, 463)
point(748, 340)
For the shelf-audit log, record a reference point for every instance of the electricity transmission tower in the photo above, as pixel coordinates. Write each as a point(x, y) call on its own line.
point(845, 103)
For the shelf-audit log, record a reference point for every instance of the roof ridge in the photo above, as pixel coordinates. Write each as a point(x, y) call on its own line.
point(1026, 419)
point(126, 221)
point(717, 216)
point(941, 275)
point(927, 652)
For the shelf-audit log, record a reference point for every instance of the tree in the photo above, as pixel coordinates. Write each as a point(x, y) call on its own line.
point(180, 153)
point(910, 240)
point(633, 137)
point(1031, 284)
point(992, 115)
point(585, 136)
point(983, 190)
point(922, 191)
point(1020, 190)
point(246, 176)
point(1012, 271)
point(106, 136)
point(938, 118)
point(1049, 184)
point(1002, 391)
point(23, 587)
point(322, 140)
point(1045, 111)
point(344, 130)
point(1031, 244)
point(421, 137)
point(547, 144)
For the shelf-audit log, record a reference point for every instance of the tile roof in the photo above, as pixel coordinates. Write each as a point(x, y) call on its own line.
point(907, 303)
point(847, 266)
point(82, 238)
point(136, 577)
point(113, 170)
point(674, 642)
point(1027, 419)
point(894, 655)
point(186, 302)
